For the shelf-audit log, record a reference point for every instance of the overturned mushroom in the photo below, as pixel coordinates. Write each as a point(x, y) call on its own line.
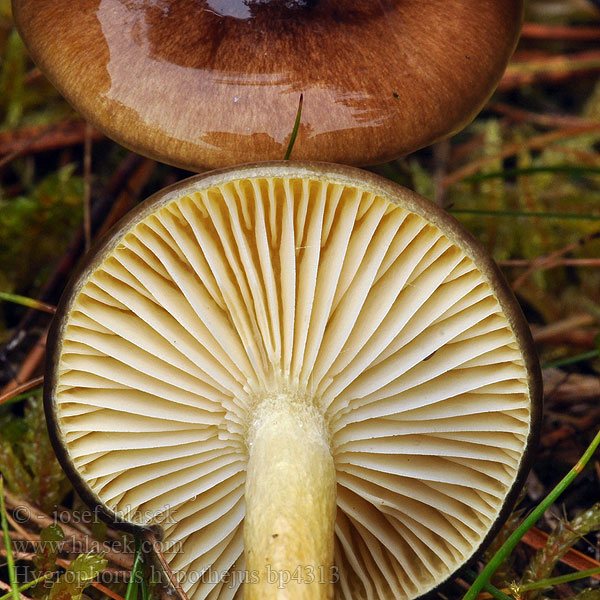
point(210, 83)
point(311, 380)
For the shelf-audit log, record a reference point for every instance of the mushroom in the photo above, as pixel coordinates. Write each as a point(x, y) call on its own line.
point(307, 380)
point(211, 83)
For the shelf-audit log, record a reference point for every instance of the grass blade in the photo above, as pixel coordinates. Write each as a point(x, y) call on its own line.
point(31, 584)
point(571, 360)
point(494, 592)
point(136, 570)
point(566, 169)
point(12, 575)
point(557, 580)
point(518, 213)
point(295, 130)
point(28, 302)
point(534, 516)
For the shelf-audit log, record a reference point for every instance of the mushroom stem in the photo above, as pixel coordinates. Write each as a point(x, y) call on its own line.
point(290, 503)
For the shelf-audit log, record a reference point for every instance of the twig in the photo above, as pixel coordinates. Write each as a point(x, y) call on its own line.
point(558, 436)
point(563, 262)
point(545, 120)
point(582, 338)
point(24, 387)
point(551, 260)
point(64, 547)
point(19, 531)
point(536, 539)
point(29, 365)
point(18, 555)
point(42, 138)
point(541, 31)
point(548, 69)
point(548, 332)
point(41, 519)
point(63, 563)
point(537, 142)
point(577, 389)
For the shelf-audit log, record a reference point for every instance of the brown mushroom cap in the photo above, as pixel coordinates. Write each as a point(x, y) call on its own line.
point(391, 335)
point(207, 83)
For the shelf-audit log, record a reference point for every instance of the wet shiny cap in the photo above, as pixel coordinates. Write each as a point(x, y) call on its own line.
point(207, 83)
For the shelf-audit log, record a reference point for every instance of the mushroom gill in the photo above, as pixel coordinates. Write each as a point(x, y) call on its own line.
point(380, 323)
